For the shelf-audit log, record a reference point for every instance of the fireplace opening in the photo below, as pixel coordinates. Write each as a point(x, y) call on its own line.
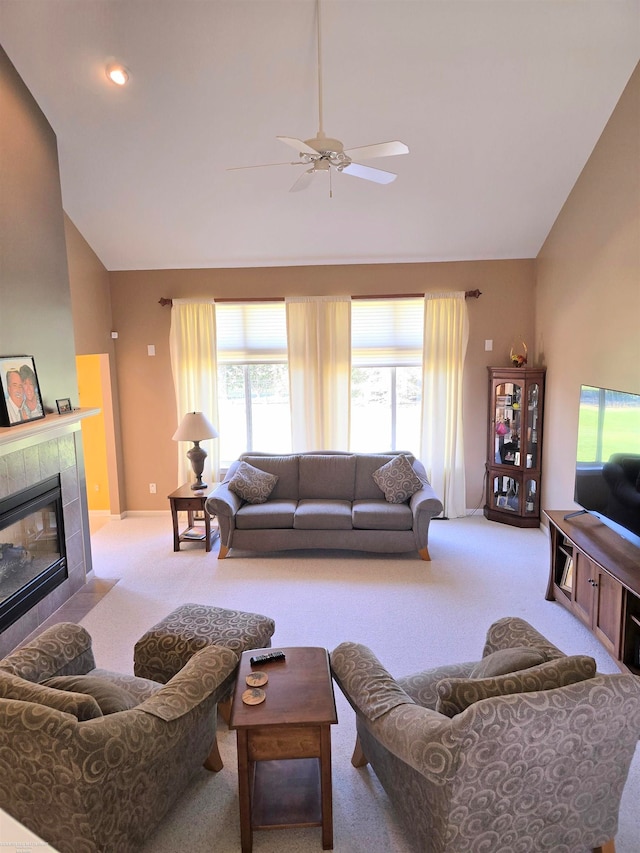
point(33, 558)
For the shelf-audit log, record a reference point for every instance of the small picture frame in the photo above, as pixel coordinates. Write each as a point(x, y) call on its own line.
point(64, 405)
point(20, 399)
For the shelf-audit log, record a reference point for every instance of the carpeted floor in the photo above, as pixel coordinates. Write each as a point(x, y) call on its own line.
point(413, 614)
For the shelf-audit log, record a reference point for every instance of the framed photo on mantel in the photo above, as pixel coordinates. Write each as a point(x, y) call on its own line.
point(20, 400)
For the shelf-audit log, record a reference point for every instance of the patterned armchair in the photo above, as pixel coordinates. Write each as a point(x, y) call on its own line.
point(91, 760)
point(526, 750)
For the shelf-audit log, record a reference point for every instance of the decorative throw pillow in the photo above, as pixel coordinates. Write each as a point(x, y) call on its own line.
point(81, 706)
point(252, 484)
point(506, 660)
point(457, 694)
point(397, 480)
point(110, 697)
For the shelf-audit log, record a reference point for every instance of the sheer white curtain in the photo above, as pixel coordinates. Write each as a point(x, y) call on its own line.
point(446, 332)
point(319, 347)
point(192, 345)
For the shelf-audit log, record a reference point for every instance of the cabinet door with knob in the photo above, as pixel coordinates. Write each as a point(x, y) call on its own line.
point(598, 602)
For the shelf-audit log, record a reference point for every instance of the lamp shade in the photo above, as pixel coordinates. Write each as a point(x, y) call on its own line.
point(195, 427)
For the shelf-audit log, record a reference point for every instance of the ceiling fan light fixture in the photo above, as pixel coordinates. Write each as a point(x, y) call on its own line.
point(323, 152)
point(117, 74)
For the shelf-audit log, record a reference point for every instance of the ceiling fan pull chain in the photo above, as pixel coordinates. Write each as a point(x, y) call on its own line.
point(320, 127)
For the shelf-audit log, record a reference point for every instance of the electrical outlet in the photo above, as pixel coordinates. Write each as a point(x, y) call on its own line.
point(488, 346)
point(152, 488)
point(151, 350)
point(96, 487)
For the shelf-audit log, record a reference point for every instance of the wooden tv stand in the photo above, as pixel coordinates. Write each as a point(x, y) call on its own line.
point(595, 574)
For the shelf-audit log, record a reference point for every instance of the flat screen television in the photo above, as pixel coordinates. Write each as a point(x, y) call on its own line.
point(607, 482)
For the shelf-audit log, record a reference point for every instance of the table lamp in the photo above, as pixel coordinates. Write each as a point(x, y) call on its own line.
point(196, 428)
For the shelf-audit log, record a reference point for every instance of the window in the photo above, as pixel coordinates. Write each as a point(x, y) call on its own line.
point(386, 374)
point(253, 379)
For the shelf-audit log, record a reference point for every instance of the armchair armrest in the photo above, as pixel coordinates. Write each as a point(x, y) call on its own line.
point(512, 632)
point(210, 670)
point(368, 687)
point(63, 649)
point(421, 738)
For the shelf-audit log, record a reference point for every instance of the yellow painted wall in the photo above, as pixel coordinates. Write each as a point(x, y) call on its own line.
point(93, 431)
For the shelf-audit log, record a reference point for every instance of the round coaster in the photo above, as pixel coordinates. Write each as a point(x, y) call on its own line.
point(253, 696)
point(257, 679)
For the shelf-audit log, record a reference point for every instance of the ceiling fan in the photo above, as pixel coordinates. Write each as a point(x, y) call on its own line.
point(323, 154)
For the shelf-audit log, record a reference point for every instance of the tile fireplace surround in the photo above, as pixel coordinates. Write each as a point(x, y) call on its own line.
point(29, 453)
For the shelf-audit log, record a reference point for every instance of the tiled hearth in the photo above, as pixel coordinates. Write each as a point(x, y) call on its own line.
point(30, 453)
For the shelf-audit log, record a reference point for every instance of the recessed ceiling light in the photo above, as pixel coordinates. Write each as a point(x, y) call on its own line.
point(118, 74)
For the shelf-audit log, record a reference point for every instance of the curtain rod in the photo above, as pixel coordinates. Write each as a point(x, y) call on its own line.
point(469, 294)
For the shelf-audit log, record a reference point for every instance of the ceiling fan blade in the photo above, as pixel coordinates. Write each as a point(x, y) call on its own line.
point(378, 176)
point(303, 181)
point(262, 165)
point(380, 149)
point(298, 144)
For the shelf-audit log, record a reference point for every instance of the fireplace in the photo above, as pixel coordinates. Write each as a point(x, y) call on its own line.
point(33, 558)
point(48, 450)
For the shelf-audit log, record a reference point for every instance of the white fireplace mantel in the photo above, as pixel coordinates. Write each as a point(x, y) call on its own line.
point(27, 434)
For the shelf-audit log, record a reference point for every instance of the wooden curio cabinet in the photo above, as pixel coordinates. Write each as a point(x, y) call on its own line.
point(514, 445)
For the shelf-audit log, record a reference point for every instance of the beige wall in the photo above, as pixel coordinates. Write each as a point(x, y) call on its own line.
point(588, 291)
point(35, 303)
point(504, 313)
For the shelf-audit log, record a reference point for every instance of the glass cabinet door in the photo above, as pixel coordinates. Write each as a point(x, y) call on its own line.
point(508, 419)
point(531, 497)
point(533, 396)
point(506, 494)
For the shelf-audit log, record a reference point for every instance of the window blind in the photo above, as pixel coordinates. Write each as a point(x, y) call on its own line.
point(387, 332)
point(251, 332)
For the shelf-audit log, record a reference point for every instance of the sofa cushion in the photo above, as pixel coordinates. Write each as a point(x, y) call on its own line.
point(327, 476)
point(381, 515)
point(457, 694)
point(398, 480)
point(323, 515)
point(252, 484)
point(269, 515)
point(285, 467)
point(111, 698)
point(507, 660)
point(81, 706)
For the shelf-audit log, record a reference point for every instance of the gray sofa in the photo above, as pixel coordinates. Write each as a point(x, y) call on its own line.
point(325, 499)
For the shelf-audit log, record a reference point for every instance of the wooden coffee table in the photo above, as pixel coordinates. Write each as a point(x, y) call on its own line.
point(284, 744)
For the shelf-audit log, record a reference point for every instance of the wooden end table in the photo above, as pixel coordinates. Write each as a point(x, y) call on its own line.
point(284, 745)
point(186, 499)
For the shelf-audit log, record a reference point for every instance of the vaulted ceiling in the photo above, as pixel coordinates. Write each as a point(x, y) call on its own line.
point(500, 102)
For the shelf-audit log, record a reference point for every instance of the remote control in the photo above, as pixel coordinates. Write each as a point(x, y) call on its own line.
point(268, 658)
